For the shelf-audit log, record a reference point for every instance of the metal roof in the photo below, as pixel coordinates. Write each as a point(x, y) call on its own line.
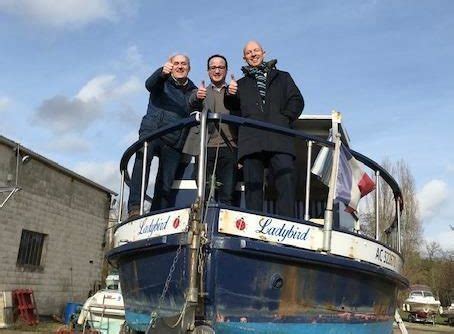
point(36, 156)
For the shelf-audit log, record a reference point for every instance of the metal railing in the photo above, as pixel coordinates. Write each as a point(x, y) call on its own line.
point(203, 119)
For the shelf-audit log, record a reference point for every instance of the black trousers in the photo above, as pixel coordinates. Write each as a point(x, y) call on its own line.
point(225, 174)
point(282, 170)
point(169, 159)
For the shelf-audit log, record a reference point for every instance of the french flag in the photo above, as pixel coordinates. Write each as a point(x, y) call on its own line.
point(352, 182)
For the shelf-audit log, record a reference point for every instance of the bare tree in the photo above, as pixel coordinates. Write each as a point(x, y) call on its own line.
point(411, 229)
point(433, 250)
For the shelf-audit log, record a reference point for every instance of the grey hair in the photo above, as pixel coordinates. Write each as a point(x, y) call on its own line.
point(180, 54)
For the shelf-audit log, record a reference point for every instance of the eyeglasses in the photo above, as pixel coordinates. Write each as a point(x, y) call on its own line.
point(214, 68)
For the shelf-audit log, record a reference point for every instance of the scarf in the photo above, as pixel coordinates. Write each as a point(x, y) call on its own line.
point(259, 73)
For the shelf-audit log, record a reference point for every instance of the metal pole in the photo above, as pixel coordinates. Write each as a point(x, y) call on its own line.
point(13, 191)
point(308, 179)
point(202, 160)
point(17, 164)
point(328, 221)
point(377, 204)
point(144, 171)
point(122, 189)
point(399, 240)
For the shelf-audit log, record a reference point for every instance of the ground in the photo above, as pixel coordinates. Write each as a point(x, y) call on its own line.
point(413, 328)
point(51, 326)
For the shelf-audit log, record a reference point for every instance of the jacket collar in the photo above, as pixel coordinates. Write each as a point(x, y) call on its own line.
point(266, 66)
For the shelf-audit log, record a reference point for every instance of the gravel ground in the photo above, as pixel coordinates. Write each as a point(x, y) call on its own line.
point(425, 329)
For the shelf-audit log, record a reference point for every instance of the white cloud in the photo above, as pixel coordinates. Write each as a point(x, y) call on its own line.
point(108, 173)
point(133, 61)
point(105, 87)
point(105, 173)
point(431, 198)
point(444, 238)
point(61, 13)
point(73, 144)
point(62, 114)
point(4, 102)
point(450, 168)
point(97, 88)
point(131, 86)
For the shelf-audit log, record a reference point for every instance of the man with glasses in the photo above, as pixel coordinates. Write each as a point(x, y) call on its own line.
point(221, 148)
point(269, 95)
point(169, 89)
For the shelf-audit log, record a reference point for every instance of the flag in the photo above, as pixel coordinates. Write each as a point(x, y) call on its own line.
point(352, 182)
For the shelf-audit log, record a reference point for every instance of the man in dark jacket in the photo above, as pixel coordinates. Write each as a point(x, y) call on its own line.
point(269, 95)
point(169, 89)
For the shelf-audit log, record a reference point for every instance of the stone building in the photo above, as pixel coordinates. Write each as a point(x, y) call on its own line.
point(52, 228)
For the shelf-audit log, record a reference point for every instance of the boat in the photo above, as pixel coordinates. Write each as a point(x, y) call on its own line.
point(104, 311)
point(421, 304)
point(204, 267)
point(448, 313)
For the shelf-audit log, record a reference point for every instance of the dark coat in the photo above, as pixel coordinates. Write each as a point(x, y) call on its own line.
point(283, 105)
point(168, 103)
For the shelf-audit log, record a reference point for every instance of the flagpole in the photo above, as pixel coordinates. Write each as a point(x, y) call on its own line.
point(328, 221)
point(377, 204)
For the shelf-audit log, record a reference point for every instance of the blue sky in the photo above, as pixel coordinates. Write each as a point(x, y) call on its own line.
point(72, 75)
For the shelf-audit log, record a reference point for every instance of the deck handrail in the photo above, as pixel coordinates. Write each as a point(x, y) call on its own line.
point(194, 120)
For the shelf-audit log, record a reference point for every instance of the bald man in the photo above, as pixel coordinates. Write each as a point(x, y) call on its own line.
point(269, 95)
point(169, 88)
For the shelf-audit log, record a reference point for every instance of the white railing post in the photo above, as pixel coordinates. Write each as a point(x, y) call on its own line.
point(399, 240)
point(201, 175)
point(308, 179)
point(144, 172)
point(377, 204)
point(122, 190)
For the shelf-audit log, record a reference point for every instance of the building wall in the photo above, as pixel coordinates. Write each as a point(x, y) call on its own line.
point(73, 215)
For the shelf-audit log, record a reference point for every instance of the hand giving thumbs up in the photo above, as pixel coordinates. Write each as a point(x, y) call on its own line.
point(202, 91)
point(233, 85)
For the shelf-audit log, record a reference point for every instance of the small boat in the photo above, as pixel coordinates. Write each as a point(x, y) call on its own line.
point(204, 267)
point(104, 311)
point(448, 313)
point(421, 304)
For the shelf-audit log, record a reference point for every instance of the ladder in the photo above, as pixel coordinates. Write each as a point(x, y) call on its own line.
point(400, 323)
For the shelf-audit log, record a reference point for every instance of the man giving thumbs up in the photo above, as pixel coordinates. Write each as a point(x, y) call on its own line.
point(269, 95)
point(222, 140)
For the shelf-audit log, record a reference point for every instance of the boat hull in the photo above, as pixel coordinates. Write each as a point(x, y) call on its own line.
point(256, 286)
point(302, 328)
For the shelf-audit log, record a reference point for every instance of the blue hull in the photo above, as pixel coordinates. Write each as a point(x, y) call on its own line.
point(139, 321)
point(258, 287)
point(363, 328)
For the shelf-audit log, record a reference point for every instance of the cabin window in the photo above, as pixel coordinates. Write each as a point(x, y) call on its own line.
point(417, 294)
point(428, 294)
point(30, 250)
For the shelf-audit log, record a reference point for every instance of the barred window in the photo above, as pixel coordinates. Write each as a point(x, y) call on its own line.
point(30, 249)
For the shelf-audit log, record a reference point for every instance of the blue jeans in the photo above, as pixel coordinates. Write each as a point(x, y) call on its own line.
point(169, 159)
